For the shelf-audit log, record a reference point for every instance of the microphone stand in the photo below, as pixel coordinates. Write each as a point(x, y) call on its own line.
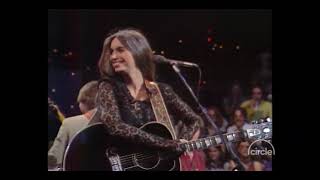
point(199, 82)
point(239, 166)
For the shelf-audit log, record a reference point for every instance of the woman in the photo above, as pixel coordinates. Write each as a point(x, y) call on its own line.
point(124, 100)
point(219, 120)
point(215, 159)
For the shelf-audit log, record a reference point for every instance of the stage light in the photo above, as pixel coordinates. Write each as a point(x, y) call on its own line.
point(180, 41)
point(55, 50)
point(70, 53)
point(221, 46)
point(237, 47)
point(72, 74)
point(209, 39)
point(162, 52)
point(72, 106)
point(153, 52)
point(213, 49)
point(53, 90)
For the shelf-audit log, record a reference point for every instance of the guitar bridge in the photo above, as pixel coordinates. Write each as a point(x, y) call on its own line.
point(115, 163)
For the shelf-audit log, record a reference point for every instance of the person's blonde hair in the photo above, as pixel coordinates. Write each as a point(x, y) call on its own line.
point(88, 93)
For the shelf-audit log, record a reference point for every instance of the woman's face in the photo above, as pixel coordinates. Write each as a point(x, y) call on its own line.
point(121, 58)
point(213, 153)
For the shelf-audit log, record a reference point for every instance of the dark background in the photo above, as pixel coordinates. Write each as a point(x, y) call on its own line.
point(75, 39)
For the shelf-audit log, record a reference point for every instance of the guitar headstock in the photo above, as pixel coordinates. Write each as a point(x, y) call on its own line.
point(260, 129)
point(52, 105)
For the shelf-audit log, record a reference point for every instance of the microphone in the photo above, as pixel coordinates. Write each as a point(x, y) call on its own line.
point(162, 59)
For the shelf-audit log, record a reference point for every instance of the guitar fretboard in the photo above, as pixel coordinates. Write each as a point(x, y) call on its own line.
point(207, 142)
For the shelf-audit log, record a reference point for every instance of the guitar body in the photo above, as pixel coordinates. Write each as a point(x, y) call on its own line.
point(93, 149)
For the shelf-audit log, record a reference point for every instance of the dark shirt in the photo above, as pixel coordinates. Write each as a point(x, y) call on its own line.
point(135, 113)
point(122, 115)
point(53, 125)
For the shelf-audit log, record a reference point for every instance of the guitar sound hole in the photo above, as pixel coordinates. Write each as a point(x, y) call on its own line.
point(147, 160)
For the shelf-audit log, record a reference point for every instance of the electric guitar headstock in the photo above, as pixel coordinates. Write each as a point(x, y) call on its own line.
point(260, 129)
point(52, 105)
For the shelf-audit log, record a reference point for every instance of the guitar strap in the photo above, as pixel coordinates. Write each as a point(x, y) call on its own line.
point(159, 107)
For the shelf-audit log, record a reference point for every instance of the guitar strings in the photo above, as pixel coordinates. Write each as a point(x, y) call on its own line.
point(141, 159)
point(138, 156)
point(131, 162)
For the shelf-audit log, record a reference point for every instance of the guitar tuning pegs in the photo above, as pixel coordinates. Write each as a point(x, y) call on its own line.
point(266, 130)
point(269, 119)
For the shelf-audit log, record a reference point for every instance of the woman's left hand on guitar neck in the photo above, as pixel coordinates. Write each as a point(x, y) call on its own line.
point(194, 137)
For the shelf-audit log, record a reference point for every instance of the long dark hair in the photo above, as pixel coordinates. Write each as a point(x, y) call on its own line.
point(220, 162)
point(218, 116)
point(137, 44)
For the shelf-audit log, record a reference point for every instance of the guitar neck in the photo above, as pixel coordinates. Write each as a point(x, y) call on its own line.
point(207, 142)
